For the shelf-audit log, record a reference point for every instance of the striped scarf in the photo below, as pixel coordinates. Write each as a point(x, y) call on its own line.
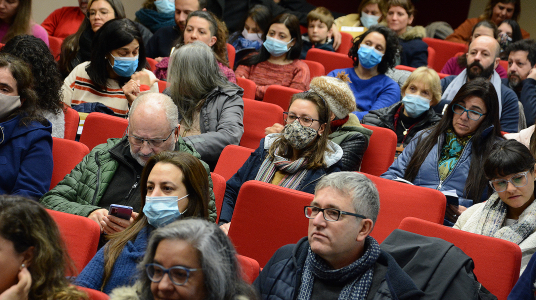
point(358, 274)
point(295, 171)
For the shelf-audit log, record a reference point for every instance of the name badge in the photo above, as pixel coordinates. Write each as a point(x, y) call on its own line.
point(352, 29)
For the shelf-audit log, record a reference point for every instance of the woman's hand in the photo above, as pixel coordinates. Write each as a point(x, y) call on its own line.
point(158, 59)
point(131, 90)
point(337, 38)
point(112, 224)
point(142, 77)
point(276, 128)
point(225, 227)
point(97, 216)
point(20, 290)
point(453, 212)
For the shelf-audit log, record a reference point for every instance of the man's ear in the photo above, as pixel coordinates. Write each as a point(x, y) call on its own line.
point(497, 60)
point(365, 230)
point(204, 9)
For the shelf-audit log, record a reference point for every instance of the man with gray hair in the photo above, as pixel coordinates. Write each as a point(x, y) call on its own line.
point(338, 259)
point(110, 173)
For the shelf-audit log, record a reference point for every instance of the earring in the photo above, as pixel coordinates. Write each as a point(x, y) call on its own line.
point(22, 266)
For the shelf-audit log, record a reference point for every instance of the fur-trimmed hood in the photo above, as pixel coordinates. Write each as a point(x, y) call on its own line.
point(413, 32)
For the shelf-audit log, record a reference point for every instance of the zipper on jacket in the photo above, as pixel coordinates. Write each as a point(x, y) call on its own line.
point(98, 179)
point(455, 165)
point(134, 186)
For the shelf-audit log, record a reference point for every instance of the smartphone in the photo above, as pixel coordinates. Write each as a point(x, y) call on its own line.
point(121, 211)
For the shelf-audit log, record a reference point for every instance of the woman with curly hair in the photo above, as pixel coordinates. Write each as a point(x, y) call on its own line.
point(373, 54)
point(32, 255)
point(47, 78)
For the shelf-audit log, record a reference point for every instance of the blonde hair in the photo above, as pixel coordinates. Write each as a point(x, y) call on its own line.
point(430, 78)
point(321, 14)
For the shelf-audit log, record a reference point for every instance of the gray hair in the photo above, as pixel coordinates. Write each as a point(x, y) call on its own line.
point(216, 254)
point(361, 190)
point(164, 101)
point(193, 73)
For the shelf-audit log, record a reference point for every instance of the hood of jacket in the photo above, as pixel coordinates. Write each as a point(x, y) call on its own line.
point(330, 157)
point(413, 32)
point(229, 90)
point(11, 129)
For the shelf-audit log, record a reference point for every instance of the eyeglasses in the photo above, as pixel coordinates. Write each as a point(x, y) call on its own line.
point(471, 114)
point(330, 214)
point(179, 275)
point(305, 121)
point(102, 14)
point(518, 180)
point(153, 143)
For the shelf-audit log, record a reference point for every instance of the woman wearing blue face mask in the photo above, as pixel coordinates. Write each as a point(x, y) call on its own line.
point(369, 13)
point(115, 75)
point(420, 92)
point(173, 185)
point(277, 62)
point(374, 54)
point(156, 14)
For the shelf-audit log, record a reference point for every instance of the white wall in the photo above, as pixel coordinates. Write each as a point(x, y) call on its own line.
point(42, 8)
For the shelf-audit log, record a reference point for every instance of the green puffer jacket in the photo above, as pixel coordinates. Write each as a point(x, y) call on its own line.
point(80, 191)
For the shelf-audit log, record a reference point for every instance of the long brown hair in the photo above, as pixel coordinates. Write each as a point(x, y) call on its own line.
point(315, 152)
point(195, 179)
point(21, 21)
point(488, 11)
point(476, 181)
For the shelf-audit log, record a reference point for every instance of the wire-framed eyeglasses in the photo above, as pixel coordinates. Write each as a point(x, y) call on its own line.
point(330, 214)
point(177, 274)
point(153, 143)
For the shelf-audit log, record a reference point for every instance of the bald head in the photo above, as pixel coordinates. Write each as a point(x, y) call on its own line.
point(482, 57)
point(488, 42)
point(154, 107)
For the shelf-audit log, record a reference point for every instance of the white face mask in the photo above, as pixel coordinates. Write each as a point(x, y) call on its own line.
point(8, 104)
point(251, 36)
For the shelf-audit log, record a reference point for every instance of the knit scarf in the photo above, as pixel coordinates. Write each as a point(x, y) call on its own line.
point(358, 274)
point(492, 219)
point(295, 171)
point(451, 152)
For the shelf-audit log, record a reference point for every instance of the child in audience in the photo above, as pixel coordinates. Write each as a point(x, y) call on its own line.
point(32, 254)
point(450, 155)
point(373, 53)
point(319, 31)
point(510, 212)
point(249, 38)
point(277, 62)
point(369, 13)
point(16, 19)
point(173, 185)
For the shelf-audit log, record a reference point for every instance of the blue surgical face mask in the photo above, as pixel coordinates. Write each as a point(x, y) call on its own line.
point(162, 210)
point(125, 66)
point(276, 47)
point(415, 105)
point(368, 56)
point(368, 20)
point(165, 6)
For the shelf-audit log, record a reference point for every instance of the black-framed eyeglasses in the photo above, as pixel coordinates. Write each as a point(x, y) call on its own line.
point(178, 274)
point(330, 214)
point(305, 121)
point(518, 180)
point(153, 143)
point(471, 114)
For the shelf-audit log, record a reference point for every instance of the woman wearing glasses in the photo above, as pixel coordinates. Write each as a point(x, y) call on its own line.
point(510, 212)
point(173, 185)
point(296, 158)
point(450, 155)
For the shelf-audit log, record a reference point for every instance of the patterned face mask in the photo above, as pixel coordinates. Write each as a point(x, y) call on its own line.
point(298, 135)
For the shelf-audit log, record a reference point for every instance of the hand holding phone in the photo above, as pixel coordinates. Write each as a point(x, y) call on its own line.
point(121, 211)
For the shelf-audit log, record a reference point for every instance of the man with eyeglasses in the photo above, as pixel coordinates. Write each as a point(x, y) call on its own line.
point(482, 59)
point(110, 173)
point(338, 259)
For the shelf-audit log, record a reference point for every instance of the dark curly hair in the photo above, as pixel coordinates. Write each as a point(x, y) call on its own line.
point(392, 47)
point(47, 77)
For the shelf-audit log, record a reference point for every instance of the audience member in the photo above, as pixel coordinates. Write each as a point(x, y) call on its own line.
point(420, 92)
point(25, 140)
point(373, 54)
point(496, 11)
point(369, 13)
point(347, 132)
point(400, 14)
point(32, 256)
point(482, 59)
point(115, 72)
point(210, 107)
point(174, 186)
point(16, 19)
point(46, 78)
point(76, 48)
point(110, 173)
point(277, 62)
point(295, 158)
point(450, 155)
point(509, 32)
point(455, 65)
point(525, 287)
point(165, 38)
point(200, 261)
point(156, 14)
point(510, 212)
point(249, 38)
point(338, 258)
point(65, 21)
point(204, 27)
point(320, 22)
